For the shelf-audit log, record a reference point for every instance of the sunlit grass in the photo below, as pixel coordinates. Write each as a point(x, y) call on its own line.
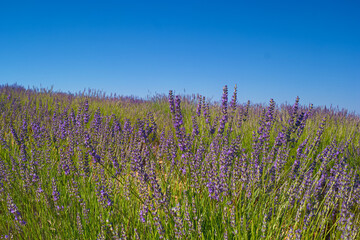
point(127, 168)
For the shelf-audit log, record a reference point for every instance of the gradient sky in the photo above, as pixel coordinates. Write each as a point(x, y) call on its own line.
point(270, 49)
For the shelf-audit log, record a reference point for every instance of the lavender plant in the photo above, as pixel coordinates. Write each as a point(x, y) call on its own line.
point(93, 166)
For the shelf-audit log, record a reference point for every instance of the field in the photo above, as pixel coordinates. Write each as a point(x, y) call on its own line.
point(93, 166)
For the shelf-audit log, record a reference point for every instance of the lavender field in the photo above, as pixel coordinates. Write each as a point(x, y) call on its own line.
point(93, 166)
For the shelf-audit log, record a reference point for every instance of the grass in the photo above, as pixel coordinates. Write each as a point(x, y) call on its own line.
point(91, 166)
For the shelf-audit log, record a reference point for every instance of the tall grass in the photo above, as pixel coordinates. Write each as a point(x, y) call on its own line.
point(92, 166)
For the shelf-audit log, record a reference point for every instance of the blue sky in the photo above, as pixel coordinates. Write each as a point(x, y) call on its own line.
point(270, 49)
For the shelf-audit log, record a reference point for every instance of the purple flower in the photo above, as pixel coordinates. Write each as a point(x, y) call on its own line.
point(178, 116)
point(171, 102)
point(224, 100)
point(233, 100)
point(56, 195)
point(97, 121)
point(198, 108)
point(293, 112)
point(16, 138)
point(103, 191)
point(206, 112)
point(14, 210)
point(96, 158)
point(195, 130)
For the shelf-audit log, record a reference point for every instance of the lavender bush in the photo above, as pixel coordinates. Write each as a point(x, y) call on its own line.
point(93, 166)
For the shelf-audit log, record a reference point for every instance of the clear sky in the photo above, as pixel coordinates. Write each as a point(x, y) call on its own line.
point(270, 49)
